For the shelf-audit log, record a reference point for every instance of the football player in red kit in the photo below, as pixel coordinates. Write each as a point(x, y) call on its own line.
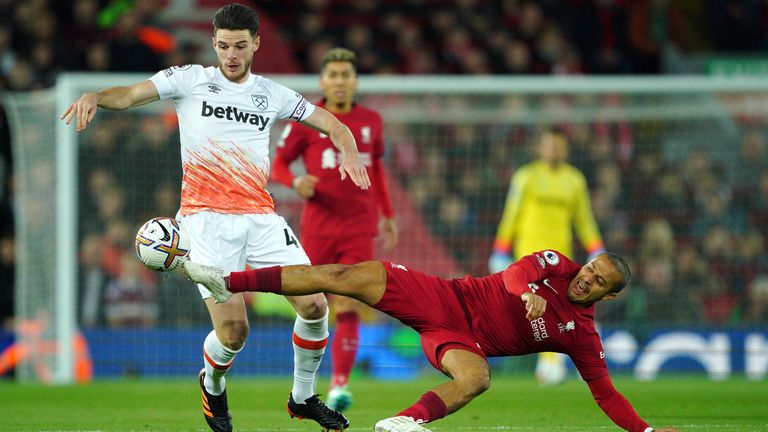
point(339, 221)
point(543, 302)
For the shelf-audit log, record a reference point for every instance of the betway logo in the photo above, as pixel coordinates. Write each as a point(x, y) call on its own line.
point(233, 114)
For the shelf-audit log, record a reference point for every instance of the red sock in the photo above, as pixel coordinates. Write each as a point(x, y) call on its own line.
point(429, 408)
point(344, 347)
point(265, 279)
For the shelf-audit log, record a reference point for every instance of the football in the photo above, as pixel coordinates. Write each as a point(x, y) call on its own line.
point(161, 244)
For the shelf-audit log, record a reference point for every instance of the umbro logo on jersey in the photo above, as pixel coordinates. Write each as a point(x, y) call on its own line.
point(214, 89)
point(233, 114)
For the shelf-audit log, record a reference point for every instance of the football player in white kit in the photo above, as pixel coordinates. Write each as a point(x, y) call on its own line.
point(225, 114)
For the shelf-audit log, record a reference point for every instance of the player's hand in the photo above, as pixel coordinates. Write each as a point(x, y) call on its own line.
point(388, 230)
point(534, 304)
point(82, 110)
point(352, 166)
point(305, 185)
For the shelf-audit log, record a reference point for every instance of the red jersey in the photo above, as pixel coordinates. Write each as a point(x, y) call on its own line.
point(338, 207)
point(487, 316)
point(501, 328)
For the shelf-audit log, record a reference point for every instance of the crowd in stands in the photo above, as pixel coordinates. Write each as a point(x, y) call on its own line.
point(692, 224)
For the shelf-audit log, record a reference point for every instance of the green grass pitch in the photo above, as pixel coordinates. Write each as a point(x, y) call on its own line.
point(512, 404)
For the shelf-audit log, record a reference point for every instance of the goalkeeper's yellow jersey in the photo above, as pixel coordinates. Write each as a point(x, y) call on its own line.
point(543, 207)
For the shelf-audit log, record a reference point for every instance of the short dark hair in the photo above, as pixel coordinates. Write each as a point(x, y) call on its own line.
point(339, 54)
point(235, 16)
point(622, 267)
point(555, 130)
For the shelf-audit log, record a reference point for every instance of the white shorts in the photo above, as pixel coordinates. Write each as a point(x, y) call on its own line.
point(230, 241)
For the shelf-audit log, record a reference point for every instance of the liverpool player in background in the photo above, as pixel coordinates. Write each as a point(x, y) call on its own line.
point(547, 199)
point(543, 302)
point(339, 221)
point(225, 115)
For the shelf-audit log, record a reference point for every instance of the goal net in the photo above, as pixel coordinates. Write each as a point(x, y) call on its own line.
point(678, 182)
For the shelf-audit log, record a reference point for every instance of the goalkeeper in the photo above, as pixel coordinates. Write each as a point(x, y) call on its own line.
point(547, 198)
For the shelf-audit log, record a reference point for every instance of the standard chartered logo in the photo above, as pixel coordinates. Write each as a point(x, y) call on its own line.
point(539, 328)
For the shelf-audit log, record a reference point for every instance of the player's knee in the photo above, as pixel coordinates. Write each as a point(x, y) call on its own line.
point(475, 381)
point(483, 383)
point(312, 307)
point(233, 334)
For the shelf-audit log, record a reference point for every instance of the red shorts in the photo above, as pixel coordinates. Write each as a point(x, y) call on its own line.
point(338, 249)
point(431, 306)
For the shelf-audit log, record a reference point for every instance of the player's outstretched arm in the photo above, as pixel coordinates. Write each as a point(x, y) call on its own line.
point(113, 98)
point(618, 408)
point(343, 139)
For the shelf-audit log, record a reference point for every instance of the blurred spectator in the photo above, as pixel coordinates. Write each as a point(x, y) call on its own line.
point(642, 178)
point(664, 301)
point(657, 241)
point(720, 298)
point(752, 160)
point(454, 217)
point(131, 300)
point(97, 58)
point(93, 281)
point(126, 51)
point(80, 34)
point(759, 202)
point(691, 271)
point(715, 210)
point(757, 300)
point(672, 200)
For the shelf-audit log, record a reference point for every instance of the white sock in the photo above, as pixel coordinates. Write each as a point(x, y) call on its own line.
point(217, 359)
point(309, 340)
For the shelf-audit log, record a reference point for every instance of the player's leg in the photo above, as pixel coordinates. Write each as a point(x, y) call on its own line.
point(365, 282)
point(433, 308)
point(344, 343)
point(230, 330)
point(223, 248)
point(470, 376)
point(310, 338)
point(343, 350)
point(271, 242)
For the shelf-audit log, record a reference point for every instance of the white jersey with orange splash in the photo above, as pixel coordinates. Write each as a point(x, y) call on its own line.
point(224, 128)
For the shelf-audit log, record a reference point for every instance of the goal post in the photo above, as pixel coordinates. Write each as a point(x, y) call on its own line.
point(452, 143)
